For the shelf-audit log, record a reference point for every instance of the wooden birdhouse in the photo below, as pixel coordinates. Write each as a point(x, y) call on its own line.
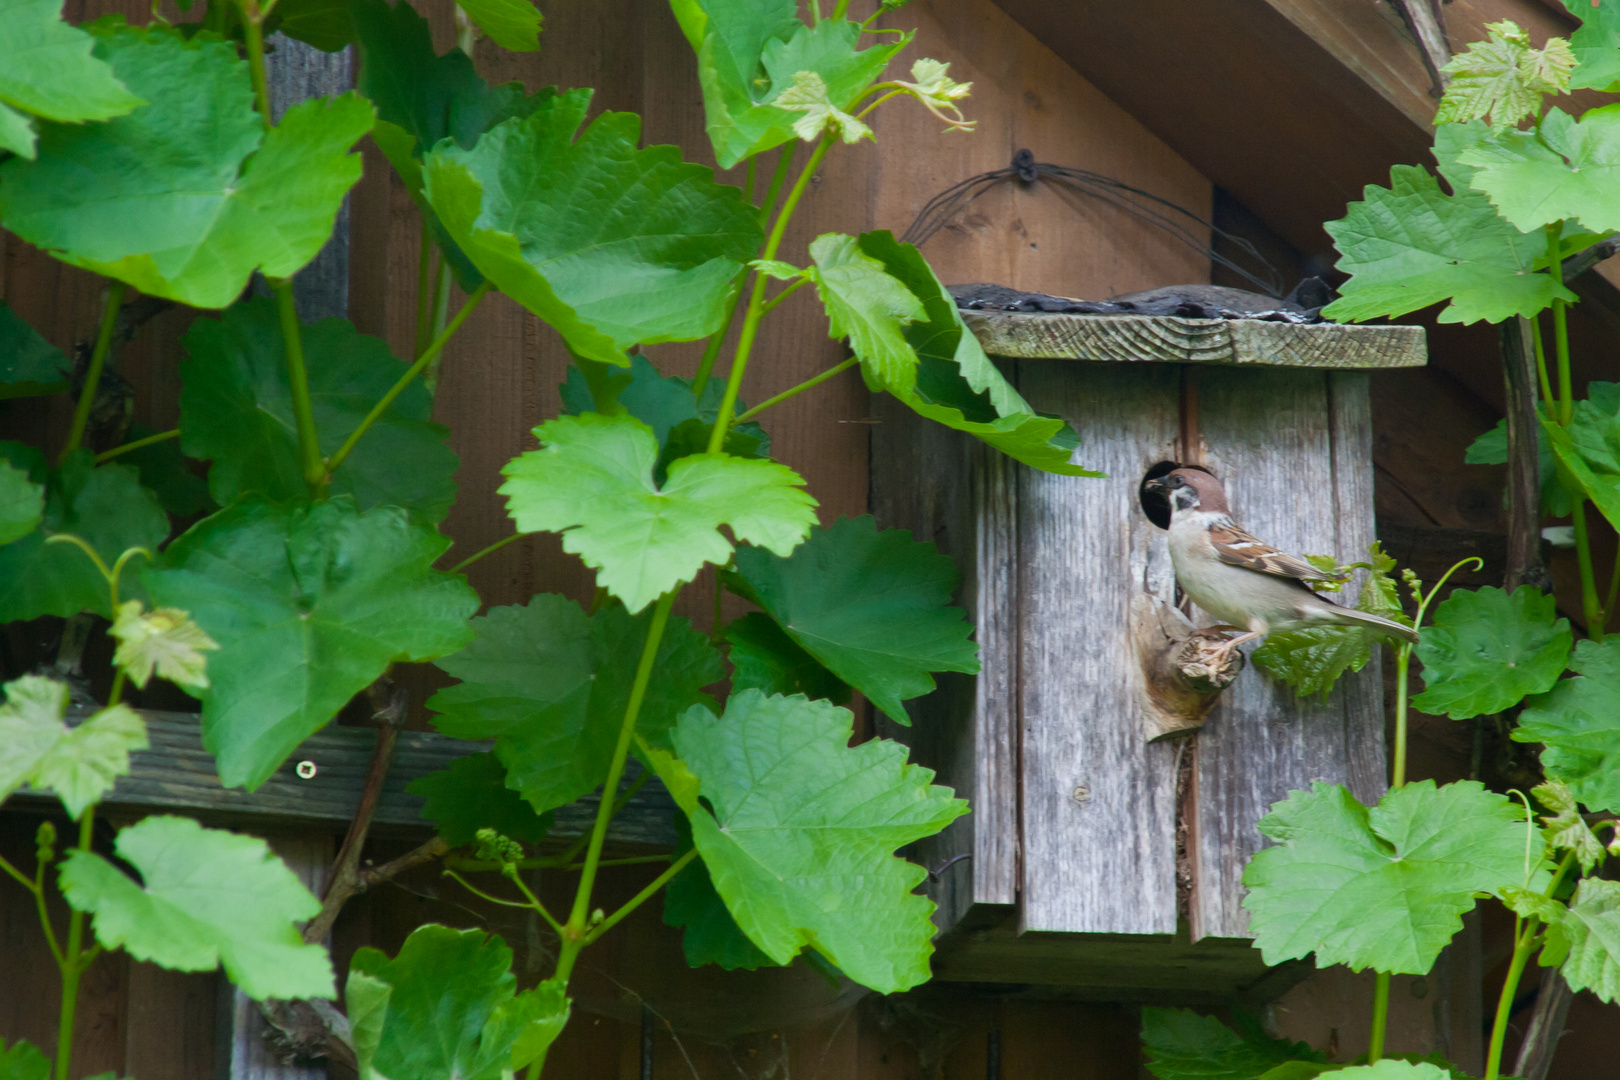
point(1106, 860)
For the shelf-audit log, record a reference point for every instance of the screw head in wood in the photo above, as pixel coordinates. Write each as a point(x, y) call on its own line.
point(1081, 794)
point(305, 770)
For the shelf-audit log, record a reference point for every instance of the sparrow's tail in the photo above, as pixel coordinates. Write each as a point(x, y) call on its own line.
point(1376, 622)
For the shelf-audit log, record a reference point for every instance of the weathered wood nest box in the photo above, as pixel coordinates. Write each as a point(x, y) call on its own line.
point(1106, 859)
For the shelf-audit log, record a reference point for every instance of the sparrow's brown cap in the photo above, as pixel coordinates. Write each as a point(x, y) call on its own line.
point(1211, 496)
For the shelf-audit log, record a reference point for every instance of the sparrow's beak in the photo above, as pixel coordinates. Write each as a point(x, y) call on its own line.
point(1158, 484)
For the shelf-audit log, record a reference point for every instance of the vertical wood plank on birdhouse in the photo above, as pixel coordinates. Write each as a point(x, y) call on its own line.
point(1099, 846)
point(1270, 434)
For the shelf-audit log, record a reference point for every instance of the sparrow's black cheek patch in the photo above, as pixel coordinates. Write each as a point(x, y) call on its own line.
point(1154, 504)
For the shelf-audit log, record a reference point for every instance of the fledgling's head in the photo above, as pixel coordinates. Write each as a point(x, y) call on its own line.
point(1191, 489)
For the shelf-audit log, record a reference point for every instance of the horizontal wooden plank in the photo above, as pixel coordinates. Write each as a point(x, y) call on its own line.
point(1169, 339)
point(177, 773)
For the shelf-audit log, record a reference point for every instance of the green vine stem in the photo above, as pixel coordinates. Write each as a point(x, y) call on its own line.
point(1541, 363)
point(98, 361)
point(253, 31)
point(1526, 941)
point(641, 897)
point(138, 444)
point(814, 380)
point(74, 962)
point(1596, 616)
point(292, 335)
point(490, 550)
point(1380, 1020)
point(424, 275)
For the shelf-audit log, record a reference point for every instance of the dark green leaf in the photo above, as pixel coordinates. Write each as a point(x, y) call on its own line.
point(1491, 448)
point(1384, 888)
point(711, 935)
point(511, 24)
point(1563, 168)
point(448, 1006)
point(1181, 1045)
point(1579, 721)
point(471, 794)
point(1488, 649)
point(873, 606)
point(799, 832)
point(25, 357)
point(46, 68)
point(550, 684)
point(22, 503)
point(309, 606)
point(609, 244)
point(1596, 45)
point(765, 658)
point(164, 472)
point(236, 409)
point(325, 24)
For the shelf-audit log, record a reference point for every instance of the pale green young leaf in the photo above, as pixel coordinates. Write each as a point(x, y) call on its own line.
point(1564, 169)
point(1384, 888)
point(80, 764)
point(164, 641)
point(1411, 245)
point(471, 794)
point(1394, 1069)
point(25, 356)
point(1585, 941)
point(236, 410)
point(185, 197)
point(932, 86)
point(1312, 660)
point(23, 1061)
point(869, 306)
point(1182, 1045)
point(1504, 77)
point(764, 657)
point(592, 481)
point(781, 271)
point(1565, 828)
point(22, 503)
point(818, 115)
point(1488, 649)
point(609, 244)
point(1596, 45)
point(206, 897)
point(47, 69)
point(448, 1006)
point(1579, 724)
point(873, 606)
point(550, 685)
point(801, 837)
point(511, 24)
point(309, 606)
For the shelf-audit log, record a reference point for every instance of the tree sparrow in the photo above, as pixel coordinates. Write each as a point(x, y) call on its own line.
point(1239, 580)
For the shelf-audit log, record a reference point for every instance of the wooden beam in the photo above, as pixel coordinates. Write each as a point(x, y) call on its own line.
point(1379, 44)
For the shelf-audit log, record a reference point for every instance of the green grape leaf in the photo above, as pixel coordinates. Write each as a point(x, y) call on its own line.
point(448, 1006)
point(236, 410)
point(750, 52)
point(1411, 245)
point(873, 606)
point(1384, 888)
point(206, 897)
point(1182, 1045)
point(17, 132)
point(1589, 450)
point(46, 68)
point(709, 934)
point(164, 472)
point(106, 507)
point(25, 356)
point(550, 685)
point(23, 1061)
point(764, 657)
point(869, 307)
point(956, 384)
point(609, 244)
point(1585, 940)
point(799, 833)
point(1491, 448)
point(808, 96)
point(1566, 168)
point(22, 503)
point(164, 641)
point(1395, 1069)
point(1565, 828)
point(592, 481)
point(1488, 649)
point(325, 24)
point(186, 197)
point(309, 606)
point(1504, 77)
point(1579, 723)
point(511, 24)
point(1596, 46)
point(471, 794)
point(80, 764)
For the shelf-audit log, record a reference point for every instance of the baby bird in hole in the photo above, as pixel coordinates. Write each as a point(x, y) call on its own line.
point(1246, 584)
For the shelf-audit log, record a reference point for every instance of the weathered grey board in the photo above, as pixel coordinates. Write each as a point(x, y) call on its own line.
point(1168, 339)
point(1099, 814)
point(1293, 449)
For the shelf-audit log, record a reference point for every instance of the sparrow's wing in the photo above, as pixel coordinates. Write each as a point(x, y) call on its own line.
point(1237, 547)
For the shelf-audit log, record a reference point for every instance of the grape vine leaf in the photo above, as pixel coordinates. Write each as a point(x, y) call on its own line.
point(207, 897)
point(163, 641)
point(47, 69)
point(592, 481)
point(1579, 724)
point(1596, 46)
point(25, 356)
point(750, 52)
point(870, 307)
point(1589, 449)
point(1504, 77)
point(609, 244)
point(550, 685)
point(22, 503)
point(80, 764)
point(1491, 448)
point(309, 606)
point(1566, 168)
point(236, 410)
point(186, 196)
point(1411, 245)
point(709, 934)
point(1182, 1045)
point(956, 384)
point(164, 472)
point(873, 606)
point(326, 24)
point(448, 1006)
point(23, 1061)
point(1565, 828)
point(1384, 888)
point(798, 831)
point(471, 794)
point(1488, 649)
point(1394, 1069)
point(106, 507)
point(1584, 940)
point(511, 24)
point(764, 657)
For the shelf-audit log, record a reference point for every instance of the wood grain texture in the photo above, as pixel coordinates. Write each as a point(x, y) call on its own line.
point(1098, 802)
point(1169, 339)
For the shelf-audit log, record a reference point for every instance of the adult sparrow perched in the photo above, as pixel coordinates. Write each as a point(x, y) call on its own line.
point(1238, 579)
